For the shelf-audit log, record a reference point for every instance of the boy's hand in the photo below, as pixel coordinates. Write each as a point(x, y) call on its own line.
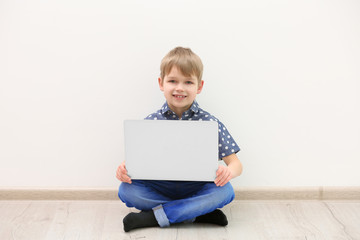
point(223, 176)
point(121, 173)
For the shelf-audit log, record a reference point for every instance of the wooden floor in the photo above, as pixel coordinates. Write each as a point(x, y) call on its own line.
point(247, 220)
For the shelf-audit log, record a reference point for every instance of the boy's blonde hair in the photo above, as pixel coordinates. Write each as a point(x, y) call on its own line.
point(185, 60)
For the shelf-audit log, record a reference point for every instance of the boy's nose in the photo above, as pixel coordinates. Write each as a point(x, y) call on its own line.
point(179, 87)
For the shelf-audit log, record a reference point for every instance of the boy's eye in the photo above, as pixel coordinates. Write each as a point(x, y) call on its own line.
point(189, 82)
point(171, 81)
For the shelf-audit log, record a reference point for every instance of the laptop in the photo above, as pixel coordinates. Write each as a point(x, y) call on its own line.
point(171, 150)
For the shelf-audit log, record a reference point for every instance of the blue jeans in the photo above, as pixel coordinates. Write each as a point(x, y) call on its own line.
point(175, 201)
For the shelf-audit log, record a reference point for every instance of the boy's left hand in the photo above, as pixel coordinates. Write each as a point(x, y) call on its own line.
point(223, 176)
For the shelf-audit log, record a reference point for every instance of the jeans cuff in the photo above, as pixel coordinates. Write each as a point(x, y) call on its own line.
point(160, 216)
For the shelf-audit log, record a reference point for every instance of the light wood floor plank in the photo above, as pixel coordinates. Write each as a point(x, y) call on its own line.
point(262, 220)
point(154, 233)
point(78, 220)
point(201, 231)
point(347, 214)
point(26, 220)
point(9, 213)
point(113, 226)
point(250, 220)
point(286, 220)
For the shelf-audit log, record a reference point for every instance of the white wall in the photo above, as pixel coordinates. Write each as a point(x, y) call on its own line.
point(282, 75)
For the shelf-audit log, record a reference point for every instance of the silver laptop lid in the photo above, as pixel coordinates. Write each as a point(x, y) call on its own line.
point(171, 150)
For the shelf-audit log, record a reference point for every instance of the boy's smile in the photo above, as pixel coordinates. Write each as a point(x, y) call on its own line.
point(180, 91)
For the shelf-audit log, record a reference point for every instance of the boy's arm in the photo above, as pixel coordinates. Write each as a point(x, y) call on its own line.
point(225, 173)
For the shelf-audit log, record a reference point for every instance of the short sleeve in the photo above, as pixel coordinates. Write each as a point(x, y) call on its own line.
point(155, 116)
point(227, 144)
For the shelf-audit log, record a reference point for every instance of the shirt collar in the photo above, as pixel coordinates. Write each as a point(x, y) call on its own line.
point(165, 108)
point(194, 108)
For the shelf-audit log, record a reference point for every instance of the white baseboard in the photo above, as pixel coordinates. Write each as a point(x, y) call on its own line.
point(297, 193)
point(242, 193)
point(58, 194)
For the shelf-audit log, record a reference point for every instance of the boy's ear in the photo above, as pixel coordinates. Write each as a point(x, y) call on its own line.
point(161, 85)
point(201, 85)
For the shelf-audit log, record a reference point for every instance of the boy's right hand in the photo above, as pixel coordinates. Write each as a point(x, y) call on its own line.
point(121, 173)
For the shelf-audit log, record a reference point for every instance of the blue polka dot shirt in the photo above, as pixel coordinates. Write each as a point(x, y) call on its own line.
point(227, 144)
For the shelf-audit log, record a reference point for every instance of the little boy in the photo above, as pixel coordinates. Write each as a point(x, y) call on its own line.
point(167, 202)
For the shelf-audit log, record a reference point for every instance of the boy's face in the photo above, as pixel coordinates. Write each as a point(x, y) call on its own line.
point(180, 91)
